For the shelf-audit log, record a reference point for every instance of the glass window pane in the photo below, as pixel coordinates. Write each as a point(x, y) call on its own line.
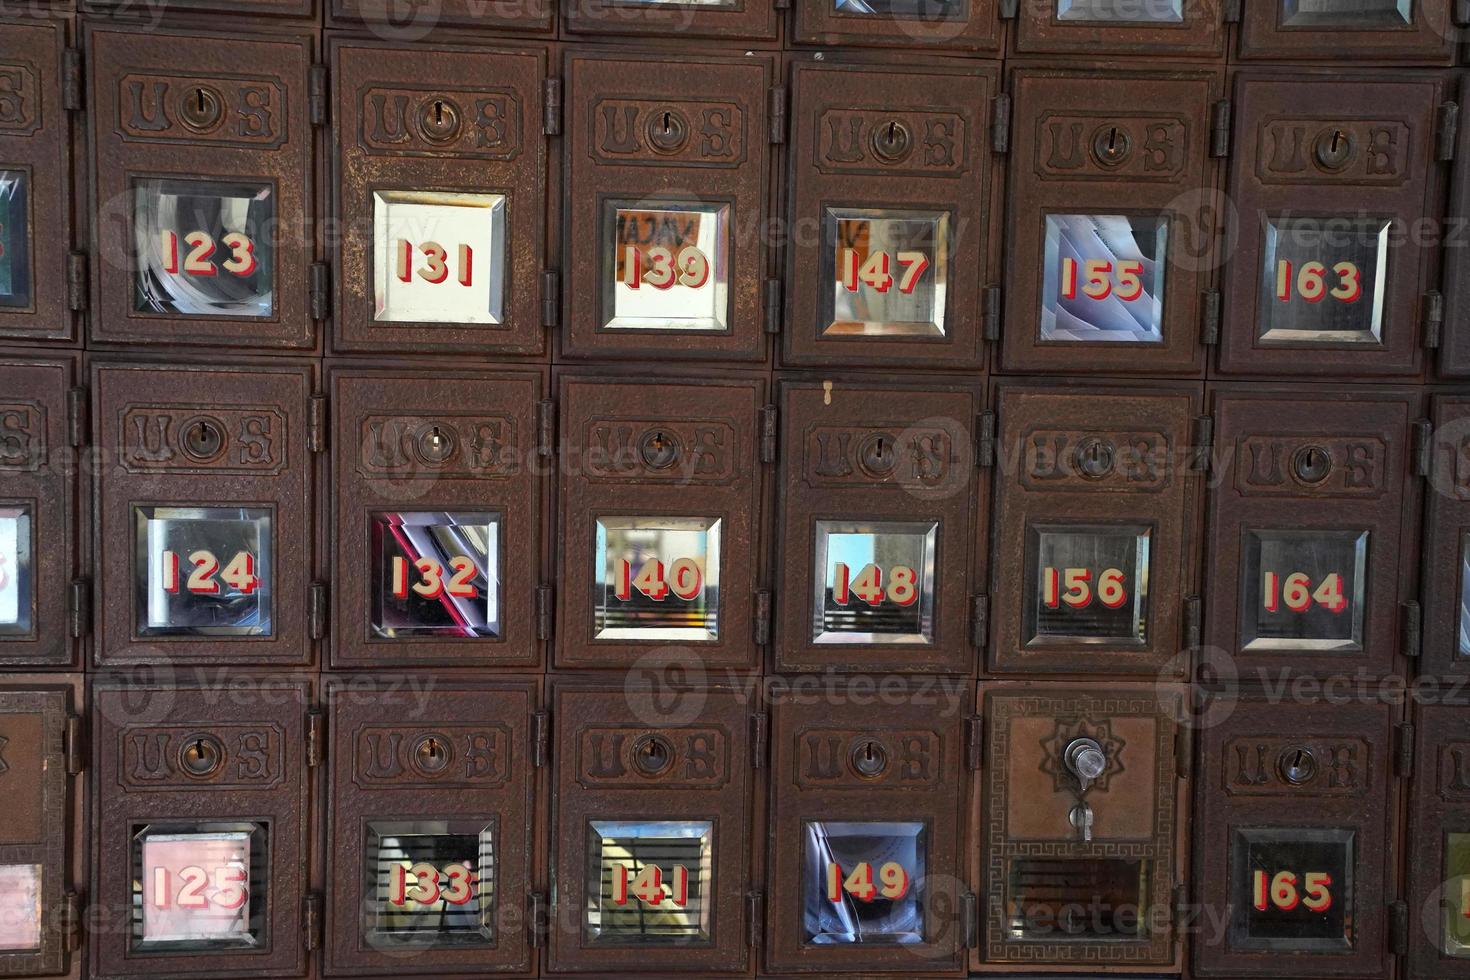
point(1089, 585)
point(15, 239)
point(435, 573)
point(1347, 13)
point(1079, 899)
point(1103, 278)
point(1122, 11)
point(1303, 590)
point(203, 571)
point(863, 882)
point(874, 582)
point(204, 247)
point(17, 575)
point(1323, 280)
point(1291, 889)
point(439, 257)
point(666, 266)
point(429, 883)
point(927, 10)
point(657, 578)
point(200, 886)
point(889, 272)
point(20, 907)
point(649, 882)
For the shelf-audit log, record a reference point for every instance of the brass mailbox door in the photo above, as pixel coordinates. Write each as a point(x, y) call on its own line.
point(201, 177)
point(35, 193)
point(652, 831)
point(660, 519)
point(432, 831)
point(203, 530)
point(1081, 824)
point(1094, 521)
point(1109, 234)
point(1306, 510)
point(1141, 27)
point(891, 183)
point(441, 157)
point(204, 821)
point(1438, 895)
point(416, 22)
point(1443, 586)
point(1328, 275)
point(1344, 30)
point(970, 25)
point(1293, 837)
point(38, 511)
point(666, 246)
point(864, 873)
point(438, 504)
point(673, 20)
point(883, 517)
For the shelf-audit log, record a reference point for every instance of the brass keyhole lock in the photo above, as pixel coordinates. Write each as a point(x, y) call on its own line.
point(431, 754)
point(1311, 464)
point(668, 131)
point(892, 141)
point(201, 756)
point(1084, 759)
point(877, 454)
point(1297, 765)
point(652, 754)
point(1095, 458)
point(1080, 817)
point(203, 438)
point(1111, 145)
point(869, 758)
point(435, 444)
point(439, 119)
point(201, 108)
point(1335, 148)
point(660, 449)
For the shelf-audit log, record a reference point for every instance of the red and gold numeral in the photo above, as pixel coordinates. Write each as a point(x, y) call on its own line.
point(649, 887)
point(1296, 594)
point(690, 267)
point(202, 248)
point(431, 583)
point(435, 269)
point(1285, 890)
point(1072, 587)
point(902, 590)
point(239, 574)
point(420, 884)
point(684, 579)
point(1100, 279)
point(1310, 282)
point(892, 884)
point(193, 888)
point(874, 270)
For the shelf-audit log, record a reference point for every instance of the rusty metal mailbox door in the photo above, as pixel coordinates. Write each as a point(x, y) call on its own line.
point(204, 520)
point(1331, 263)
point(1081, 824)
point(201, 173)
point(969, 25)
point(891, 183)
point(1423, 31)
point(1308, 563)
point(438, 505)
point(651, 848)
point(202, 861)
point(864, 873)
point(441, 182)
point(882, 519)
point(431, 826)
point(666, 249)
point(1094, 521)
point(1438, 893)
point(1445, 585)
point(1293, 839)
point(1108, 232)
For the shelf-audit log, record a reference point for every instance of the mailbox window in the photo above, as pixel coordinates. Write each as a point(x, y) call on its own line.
point(17, 575)
point(439, 257)
point(657, 578)
point(1076, 899)
point(1457, 895)
point(1292, 889)
point(1302, 590)
point(666, 266)
point(15, 242)
point(429, 883)
point(862, 882)
point(204, 247)
point(1089, 584)
point(1122, 11)
point(649, 882)
point(1323, 281)
point(203, 571)
point(923, 9)
point(1103, 278)
point(20, 908)
point(1464, 631)
point(1346, 13)
point(199, 887)
point(435, 573)
point(889, 272)
point(874, 582)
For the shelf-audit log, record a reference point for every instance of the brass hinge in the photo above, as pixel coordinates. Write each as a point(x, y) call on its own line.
point(1431, 319)
point(985, 439)
point(319, 290)
point(1231, 13)
point(1181, 911)
point(1403, 749)
point(1423, 434)
point(1183, 751)
point(758, 727)
point(979, 621)
point(74, 746)
point(1447, 128)
point(76, 281)
point(311, 921)
point(755, 910)
point(773, 306)
point(317, 618)
point(990, 327)
point(1209, 321)
point(79, 608)
point(78, 419)
point(551, 107)
point(1220, 114)
point(315, 726)
point(70, 925)
point(777, 113)
point(540, 738)
point(71, 79)
point(545, 610)
point(1398, 927)
point(1202, 436)
point(770, 418)
point(1000, 124)
point(539, 921)
point(1413, 628)
point(550, 298)
point(1193, 621)
point(546, 427)
point(316, 423)
point(1009, 9)
point(970, 919)
point(974, 743)
point(318, 98)
point(761, 620)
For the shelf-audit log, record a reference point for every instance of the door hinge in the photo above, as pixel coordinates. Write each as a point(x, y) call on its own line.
point(79, 608)
point(545, 606)
point(551, 107)
point(316, 423)
point(1403, 749)
point(1193, 617)
point(311, 921)
point(990, 326)
point(1431, 319)
point(1412, 623)
point(539, 921)
point(317, 620)
point(777, 113)
point(550, 298)
point(1181, 912)
point(317, 96)
point(770, 417)
point(773, 306)
point(70, 926)
point(761, 620)
point(755, 909)
point(1009, 9)
point(1423, 435)
point(1202, 435)
point(77, 417)
point(71, 79)
point(1231, 13)
point(1000, 124)
point(758, 726)
point(540, 738)
point(1209, 321)
point(76, 281)
point(1183, 751)
point(1447, 128)
point(1398, 927)
point(985, 439)
point(74, 746)
point(969, 919)
point(974, 743)
point(979, 620)
point(546, 427)
point(315, 723)
point(1461, 13)
point(782, 4)
point(1220, 114)
point(319, 290)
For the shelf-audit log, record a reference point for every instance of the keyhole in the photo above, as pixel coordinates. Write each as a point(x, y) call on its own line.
point(439, 120)
point(666, 122)
point(200, 109)
point(659, 449)
point(1335, 148)
point(652, 754)
point(891, 142)
point(1311, 464)
point(1297, 765)
point(1095, 458)
point(436, 444)
point(432, 754)
point(1111, 145)
point(201, 756)
point(438, 111)
point(1113, 138)
point(869, 758)
point(203, 438)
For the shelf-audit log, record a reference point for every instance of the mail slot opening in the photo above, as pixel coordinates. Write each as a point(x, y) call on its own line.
point(1077, 899)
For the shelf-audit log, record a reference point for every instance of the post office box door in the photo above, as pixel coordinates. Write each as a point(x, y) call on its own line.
point(666, 253)
point(438, 507)
point(651, 848)
point(660, 518)
point(1305, 514)
point(431, 830)
point(203, 534)
point(1144, 27)
point(37, 836)
point(1446, 603)
point(672, 20)
point(891, 175)
point(1081, 824)
point(423, 20)
point(970, 25)
point(882, 516)
point(1380, 30)
point(1330, 182)
point(201, 178)
point(1439, 835)
point(38, 521)
point(1110, 220)
point(203, 824)
point(448, 177)
point(1293, 839)
point(35, 198)
point(1093, 528)
point(863, 873)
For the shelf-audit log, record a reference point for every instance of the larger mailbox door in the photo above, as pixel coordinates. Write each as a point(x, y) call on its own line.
point(438, 508)
point(970, 25)
point(882, 516)
point(1109, 229)
point(1330, 181)
point(1293, 839)
point(440, 153)
point(1305, 515)
point(35, 198)
point(1081, 825)
point(660, 519)
point(432, 827)
point(652, 834)
point(864, 873)
point(666, 250)
point(1348, 30)
point(202, 856)
point(201, 178)
point(1093, 528)
point(204, 524)
point(1445, 585)
point(891, 186)
point(38, 519)
point(1138, 27)
point(1439, 832)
